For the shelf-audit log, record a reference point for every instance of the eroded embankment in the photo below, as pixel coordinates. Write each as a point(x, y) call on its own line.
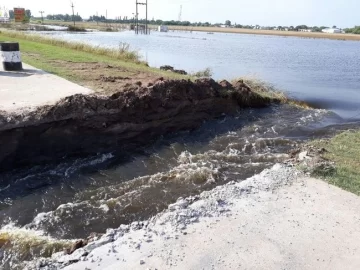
point(83, 125)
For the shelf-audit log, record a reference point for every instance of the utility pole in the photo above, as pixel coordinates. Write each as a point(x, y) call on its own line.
point(180, 14)
point(72, 6)
point(42, 17)
point(137, 17)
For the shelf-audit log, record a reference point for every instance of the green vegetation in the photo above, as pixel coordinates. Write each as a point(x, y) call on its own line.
point(207, 73)
point(30, 39)
point(269, 91)
point(264, 89)
point(344, 151)
point(63, 58)
point(73, 28)
point(355, 30)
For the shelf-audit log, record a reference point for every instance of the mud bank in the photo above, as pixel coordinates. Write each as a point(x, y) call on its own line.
point(82, 125)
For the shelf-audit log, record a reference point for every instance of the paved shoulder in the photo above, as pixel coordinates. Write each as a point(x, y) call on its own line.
point(33, 87)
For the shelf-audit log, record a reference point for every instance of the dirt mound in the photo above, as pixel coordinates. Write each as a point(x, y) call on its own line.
point(88, 124)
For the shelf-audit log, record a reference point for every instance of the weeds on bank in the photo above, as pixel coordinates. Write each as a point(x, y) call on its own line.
point(344, 151)
point(206, 73)
point(268, 90)
point(73, 28)
point(123, 53)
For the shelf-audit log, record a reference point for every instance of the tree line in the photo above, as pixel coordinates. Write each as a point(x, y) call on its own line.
point(64, 17)
point(355, 30)
point(129, 20)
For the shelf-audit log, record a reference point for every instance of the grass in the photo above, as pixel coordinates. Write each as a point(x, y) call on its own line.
point(124, 55)
point(268, 90)
point(73, 28)
point(47, 53)
point(344, 151)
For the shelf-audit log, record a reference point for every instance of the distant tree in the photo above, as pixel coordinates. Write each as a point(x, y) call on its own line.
point(297, 28)
point(334, 26)
point(11, 14)
point(228, 23)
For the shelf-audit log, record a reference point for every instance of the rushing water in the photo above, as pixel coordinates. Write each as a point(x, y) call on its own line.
point(75, 198)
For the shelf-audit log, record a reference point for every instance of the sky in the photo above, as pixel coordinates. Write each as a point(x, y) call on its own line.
point(342, 13)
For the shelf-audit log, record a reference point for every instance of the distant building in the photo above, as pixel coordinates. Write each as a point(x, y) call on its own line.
point(4, 20)
point(163, 28)
point(332, 30)
point(305, 30)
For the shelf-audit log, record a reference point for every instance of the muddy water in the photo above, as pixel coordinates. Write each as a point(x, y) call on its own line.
point(75, 198)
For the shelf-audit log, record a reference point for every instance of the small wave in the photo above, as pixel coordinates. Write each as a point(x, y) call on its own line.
point(18, 245)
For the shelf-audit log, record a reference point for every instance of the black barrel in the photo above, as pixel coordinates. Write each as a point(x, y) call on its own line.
point(10, 55)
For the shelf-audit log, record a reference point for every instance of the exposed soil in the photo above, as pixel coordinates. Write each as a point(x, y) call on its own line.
point(104, 78)
point(89, 124)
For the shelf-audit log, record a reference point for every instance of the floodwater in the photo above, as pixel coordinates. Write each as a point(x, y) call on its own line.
point(323, 72)
point(42, 205)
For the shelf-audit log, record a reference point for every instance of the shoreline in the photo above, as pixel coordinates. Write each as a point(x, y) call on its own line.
point(280, 214)
point(316, 35)
point(349, 37)
point(114, 27)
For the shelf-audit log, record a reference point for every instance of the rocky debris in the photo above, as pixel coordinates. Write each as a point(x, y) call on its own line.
point(167, 68)
point(78, 244)
point(180, 71)
point(83, 125)
point(226, 84)
point(82, 243)
point(172, 69)
point(241, 86)
point(113, 79)
point(311, 160)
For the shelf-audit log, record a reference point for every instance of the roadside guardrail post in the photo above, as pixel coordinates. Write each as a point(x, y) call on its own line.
point(10, 56)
